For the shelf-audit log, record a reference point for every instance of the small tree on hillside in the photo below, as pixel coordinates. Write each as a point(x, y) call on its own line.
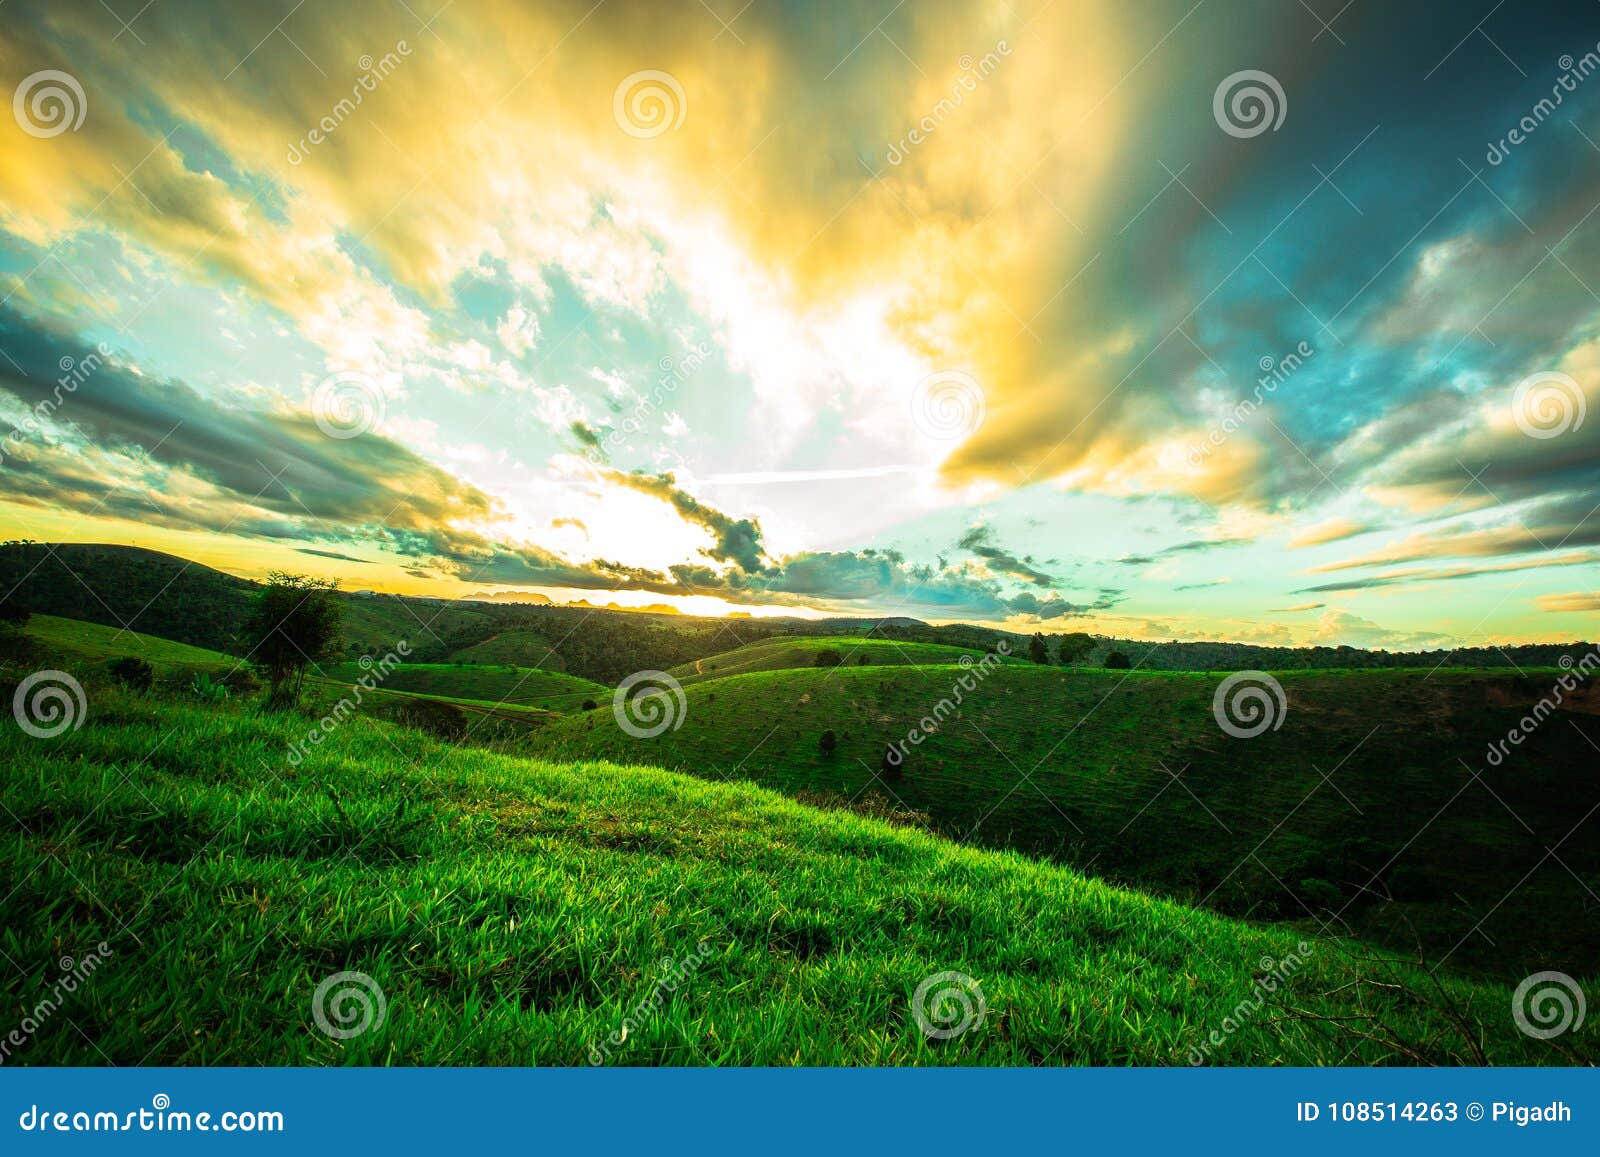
point(294, 624)
point(893, 762)
point(1117, 661)
point(1037, 651)
point(828, 742)
point(829, 658)
point(132, 672)
point(13, 613)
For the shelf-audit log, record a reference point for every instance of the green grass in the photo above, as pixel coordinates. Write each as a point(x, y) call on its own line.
point(323, 694)
point(514, 911)
point(479, 684)
point(91, 642)
point(785, 653)
point(515, 645)
point(1130, 778)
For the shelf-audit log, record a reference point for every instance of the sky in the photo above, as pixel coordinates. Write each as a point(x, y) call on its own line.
point(1212, 319)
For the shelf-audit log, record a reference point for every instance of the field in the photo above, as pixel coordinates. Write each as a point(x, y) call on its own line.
point(93, 643)
point(1084, 852)
point(1128, 776)
point(492, 685)
point(783, 654)
point(520, 912)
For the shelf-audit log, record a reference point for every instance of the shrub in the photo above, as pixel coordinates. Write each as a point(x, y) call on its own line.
point(589, 704)
point(1117, 661)
point(240, 681)
point(203, 686)
point(828, 742)
point(829, 658)
point(444, 720)
point(1319, 893)
point(132, 672)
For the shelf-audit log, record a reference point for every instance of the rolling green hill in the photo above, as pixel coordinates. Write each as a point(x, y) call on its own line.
point(174, 598)
point(783, 653)
point(92, 643)
point(515, 911)
point(517, 646)
point(1359, 797)
point(511, 686)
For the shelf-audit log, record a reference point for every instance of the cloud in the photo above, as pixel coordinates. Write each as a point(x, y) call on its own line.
point(1189, 546)
point(737, 540)
point(1330, 530)
point(333, 554)
point(1409, 575)
point(980, 541)
point(196, 462)
point(1574, 601)
point(1343, 627)
point(587, 435)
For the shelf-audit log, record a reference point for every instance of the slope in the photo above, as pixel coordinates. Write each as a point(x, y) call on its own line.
point(512, 911)
point(1360, 795)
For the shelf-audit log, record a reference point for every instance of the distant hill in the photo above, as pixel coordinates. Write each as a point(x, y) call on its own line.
point(784, 653)
point(159, 594)
point(127, 587)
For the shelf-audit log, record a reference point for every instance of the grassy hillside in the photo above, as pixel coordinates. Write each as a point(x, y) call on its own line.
point(91, 642)
point(512, 686)
point(1130, 777)
point(123, 586)
point(783, 653)
point(517, 646)
point(516, 912)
